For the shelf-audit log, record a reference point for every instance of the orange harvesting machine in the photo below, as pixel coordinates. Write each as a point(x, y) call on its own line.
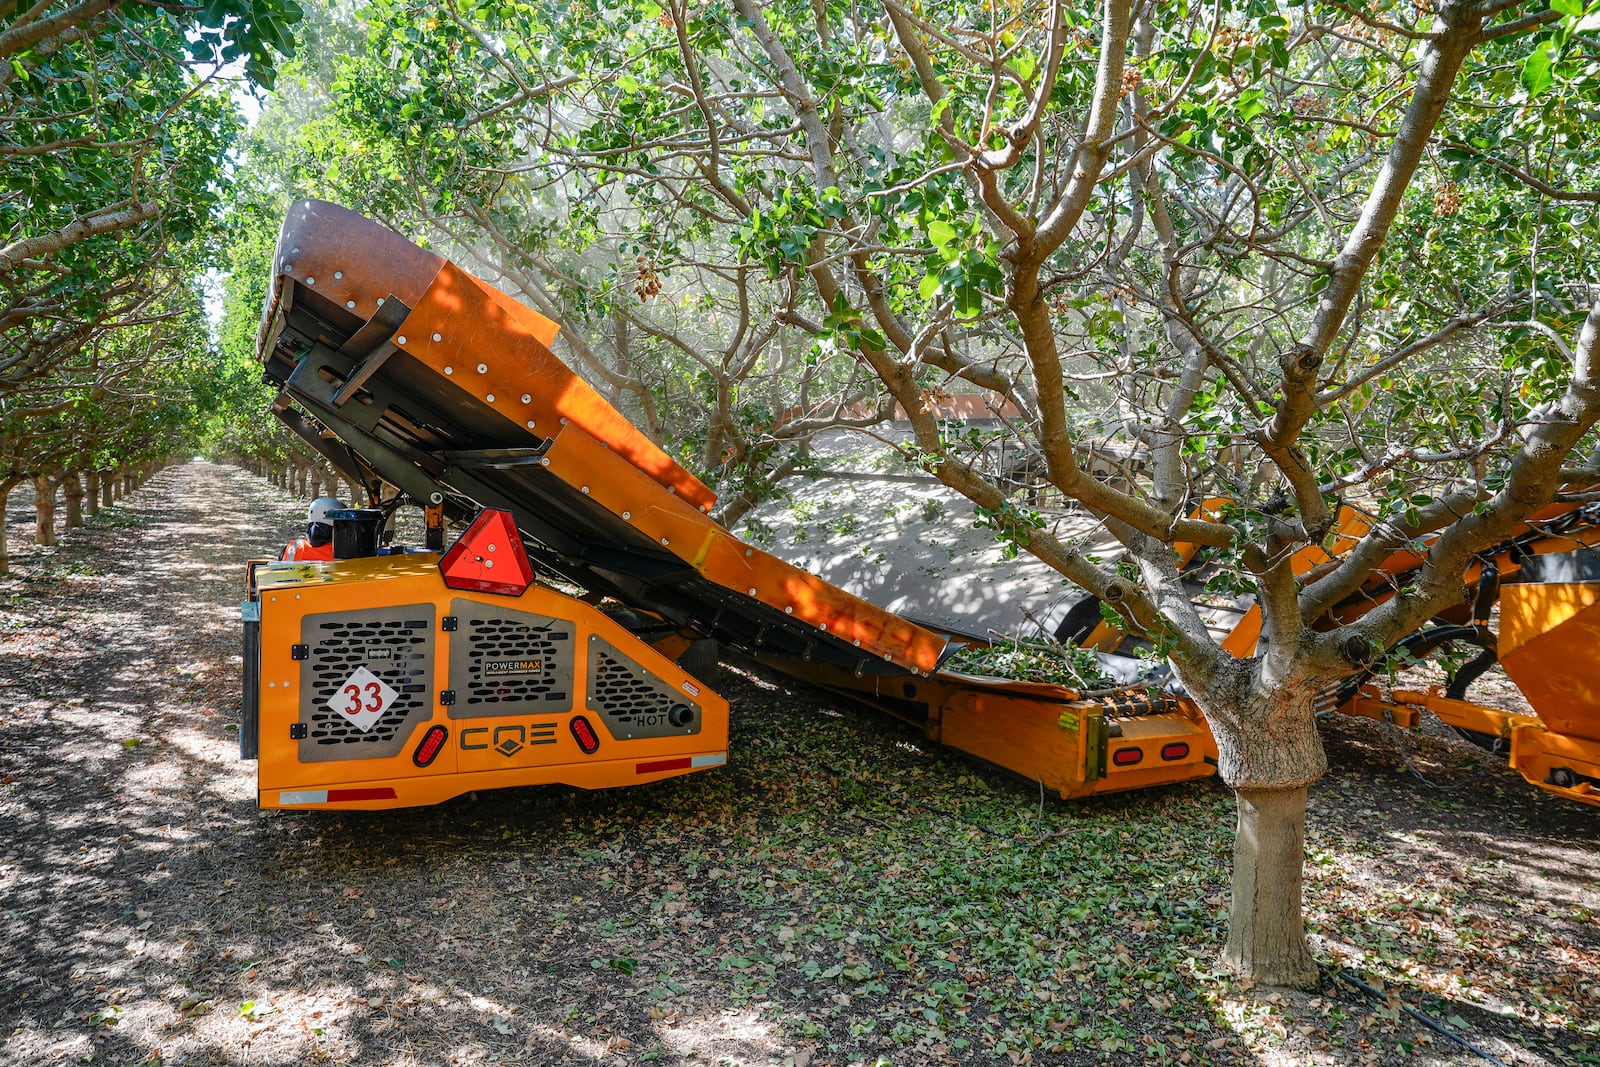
point(563, 636)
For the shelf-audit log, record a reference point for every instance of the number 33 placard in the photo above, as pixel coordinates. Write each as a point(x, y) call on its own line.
point(362, 699)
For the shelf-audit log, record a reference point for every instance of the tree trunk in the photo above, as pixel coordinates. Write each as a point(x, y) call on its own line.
point(44, 511)
point(1263, 717)
point(5, 540)
point(1266, 931)
point(74, 486)
point(91, 491)
point(108, 489)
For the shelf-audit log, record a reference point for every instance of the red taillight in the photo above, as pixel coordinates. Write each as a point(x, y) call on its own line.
point(1127, 757)
point(429, 747)
point(584, 734)
point(335, 795)
point(666, 765)
point(1175, 750)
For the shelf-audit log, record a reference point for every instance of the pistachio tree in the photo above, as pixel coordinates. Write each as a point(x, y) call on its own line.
point(113, 139)
point(1297, 255)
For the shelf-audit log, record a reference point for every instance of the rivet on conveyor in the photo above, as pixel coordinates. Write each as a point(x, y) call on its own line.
point(337, 275)
point(861, 665)
point(438, 337)
point(400, 340)
point(483, 368)
point(350, 304)
point(449, 370)
point(527, 399)
point(488, 398)
point(311, 281)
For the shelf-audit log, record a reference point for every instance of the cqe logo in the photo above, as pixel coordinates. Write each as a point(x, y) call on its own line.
point(509, 739)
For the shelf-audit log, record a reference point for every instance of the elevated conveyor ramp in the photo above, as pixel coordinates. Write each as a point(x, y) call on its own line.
point(400, 367)
point(397, 364)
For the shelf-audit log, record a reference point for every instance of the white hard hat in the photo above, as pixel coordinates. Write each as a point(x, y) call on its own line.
point(321, 507)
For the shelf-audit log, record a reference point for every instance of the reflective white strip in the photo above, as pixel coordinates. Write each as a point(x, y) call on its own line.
point(709, 761)
point(309, 796)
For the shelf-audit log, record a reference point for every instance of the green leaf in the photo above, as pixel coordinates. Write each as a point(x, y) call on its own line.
point(941, 233)
point(1537, 69)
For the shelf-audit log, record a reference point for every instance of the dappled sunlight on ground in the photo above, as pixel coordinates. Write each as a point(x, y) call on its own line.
point(842, 891)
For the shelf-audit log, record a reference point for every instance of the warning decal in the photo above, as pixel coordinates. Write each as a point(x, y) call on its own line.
point(362, 699)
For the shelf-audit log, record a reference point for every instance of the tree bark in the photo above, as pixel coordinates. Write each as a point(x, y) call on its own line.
point(91, 491)
point(74, 492)
point(1266, 930)
point(5, 541)
point(44, 511)
point(108, 489)
point(1263, 717)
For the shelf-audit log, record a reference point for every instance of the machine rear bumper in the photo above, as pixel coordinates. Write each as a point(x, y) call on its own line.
point(381, 793)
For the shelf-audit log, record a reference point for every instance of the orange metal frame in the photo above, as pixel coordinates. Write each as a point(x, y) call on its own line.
point(472, 757)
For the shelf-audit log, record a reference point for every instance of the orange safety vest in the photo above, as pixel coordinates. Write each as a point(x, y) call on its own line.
point(302, 549)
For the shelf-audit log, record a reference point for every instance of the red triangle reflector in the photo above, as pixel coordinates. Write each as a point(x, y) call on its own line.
point(488, 557)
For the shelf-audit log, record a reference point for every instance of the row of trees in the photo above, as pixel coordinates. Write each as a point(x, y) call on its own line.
point(116, 129)
point(1347, 247)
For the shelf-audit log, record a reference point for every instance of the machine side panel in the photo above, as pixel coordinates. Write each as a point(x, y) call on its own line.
point(396, 644)
point(1549, 633)
point(631, 701)
point(391, 620)
point(509, 662)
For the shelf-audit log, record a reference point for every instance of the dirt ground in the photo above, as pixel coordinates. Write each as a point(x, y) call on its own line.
point(839, 894)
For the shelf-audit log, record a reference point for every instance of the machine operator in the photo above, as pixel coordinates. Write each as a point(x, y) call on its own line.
point(317, 542)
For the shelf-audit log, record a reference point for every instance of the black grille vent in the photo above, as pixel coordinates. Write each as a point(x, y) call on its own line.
point(634, 702)
point(397, 646)
point(505, 662)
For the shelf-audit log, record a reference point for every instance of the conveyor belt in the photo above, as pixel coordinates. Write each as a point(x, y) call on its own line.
point(395, 363)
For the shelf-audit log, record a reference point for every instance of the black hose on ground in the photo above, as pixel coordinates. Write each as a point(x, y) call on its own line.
point(1341, 974)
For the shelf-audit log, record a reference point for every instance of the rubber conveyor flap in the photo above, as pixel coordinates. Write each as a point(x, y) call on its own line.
point(443, 386)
